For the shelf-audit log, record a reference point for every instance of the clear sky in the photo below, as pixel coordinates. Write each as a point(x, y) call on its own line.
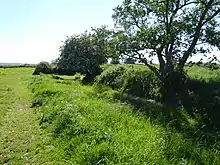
point(32, 30)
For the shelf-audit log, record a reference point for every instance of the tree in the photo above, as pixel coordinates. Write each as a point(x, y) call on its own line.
point(102, 37)
point(130, 60)
point(84, 53)
point(43, 67)
point(115, 61)
point(54, 62)
point(171, 30)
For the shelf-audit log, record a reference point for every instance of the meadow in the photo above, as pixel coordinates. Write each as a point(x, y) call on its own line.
point(50, 119)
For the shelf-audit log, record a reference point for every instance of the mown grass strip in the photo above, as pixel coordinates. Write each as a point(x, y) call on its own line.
point(22, 141)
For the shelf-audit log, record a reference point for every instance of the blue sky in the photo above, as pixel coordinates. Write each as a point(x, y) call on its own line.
point(32, 30)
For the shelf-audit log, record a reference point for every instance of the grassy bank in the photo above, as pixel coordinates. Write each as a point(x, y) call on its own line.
point(70, 123)
point(89, 129)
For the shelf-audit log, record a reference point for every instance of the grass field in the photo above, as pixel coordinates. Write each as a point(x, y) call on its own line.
point(22, 141)
point(77, 124)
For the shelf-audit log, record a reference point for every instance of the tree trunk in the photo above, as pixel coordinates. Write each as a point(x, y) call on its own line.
point(172, 88)
point(173, 84)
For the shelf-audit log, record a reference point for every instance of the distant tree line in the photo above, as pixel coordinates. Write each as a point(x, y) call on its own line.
point(15, 65)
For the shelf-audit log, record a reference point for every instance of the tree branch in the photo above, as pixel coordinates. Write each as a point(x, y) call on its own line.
point(151, 67)
point(182, 6)
point(161, 60)
point(197, 33)
point(210, 18)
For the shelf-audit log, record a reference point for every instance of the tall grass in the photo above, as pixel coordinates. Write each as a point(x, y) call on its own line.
point(88, 128)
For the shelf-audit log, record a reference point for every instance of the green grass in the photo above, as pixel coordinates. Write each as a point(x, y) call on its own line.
point(203, 73)
point(90, 130)
point(22, 141)
point(76, 124)
point(10, 86)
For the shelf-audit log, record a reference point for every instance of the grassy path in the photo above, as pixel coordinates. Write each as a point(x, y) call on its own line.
point(20, 134)
point(83, 126)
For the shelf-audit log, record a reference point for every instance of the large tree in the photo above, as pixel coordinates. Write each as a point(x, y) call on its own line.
point(85, 52)
point(171, 30)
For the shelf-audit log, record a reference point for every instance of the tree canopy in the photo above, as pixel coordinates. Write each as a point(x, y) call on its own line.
point(171, 30)
point(85, 52)
point(43, 67)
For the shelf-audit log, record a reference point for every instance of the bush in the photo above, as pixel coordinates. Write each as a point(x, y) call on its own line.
point(133, 81)
point(90, 77)
point(112, 76)
point(141, 83)
point(81, 54)
point(43, 67)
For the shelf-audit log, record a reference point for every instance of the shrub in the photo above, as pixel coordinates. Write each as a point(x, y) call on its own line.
point(133, 81)
point(141, 83)
point(43, 67)
point(112, 76)
point(83, 54)
point(89, 130)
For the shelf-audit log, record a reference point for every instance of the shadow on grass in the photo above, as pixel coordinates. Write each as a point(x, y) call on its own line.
point(197, 117)
point(203, 99)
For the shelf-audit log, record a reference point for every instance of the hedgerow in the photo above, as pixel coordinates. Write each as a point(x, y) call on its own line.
point(43, 67)
point(131, 80)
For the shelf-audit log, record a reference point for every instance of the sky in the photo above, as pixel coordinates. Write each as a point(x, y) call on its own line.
point(32, 30)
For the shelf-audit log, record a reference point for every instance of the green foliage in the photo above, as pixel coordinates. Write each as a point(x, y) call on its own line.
point(101, 38)
point(16, 65)
point(200, 96)
point(43, 67)
point(84, 53)
point(134, 80)
point(130, 61)
point(115, 61)
point(170, 30)
point(112, 76)
point(104, 92)
point(90, 130)
point(79, 54)
point(203, 101)
point(203, 73)
point(83, 125)
point(141, 83)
